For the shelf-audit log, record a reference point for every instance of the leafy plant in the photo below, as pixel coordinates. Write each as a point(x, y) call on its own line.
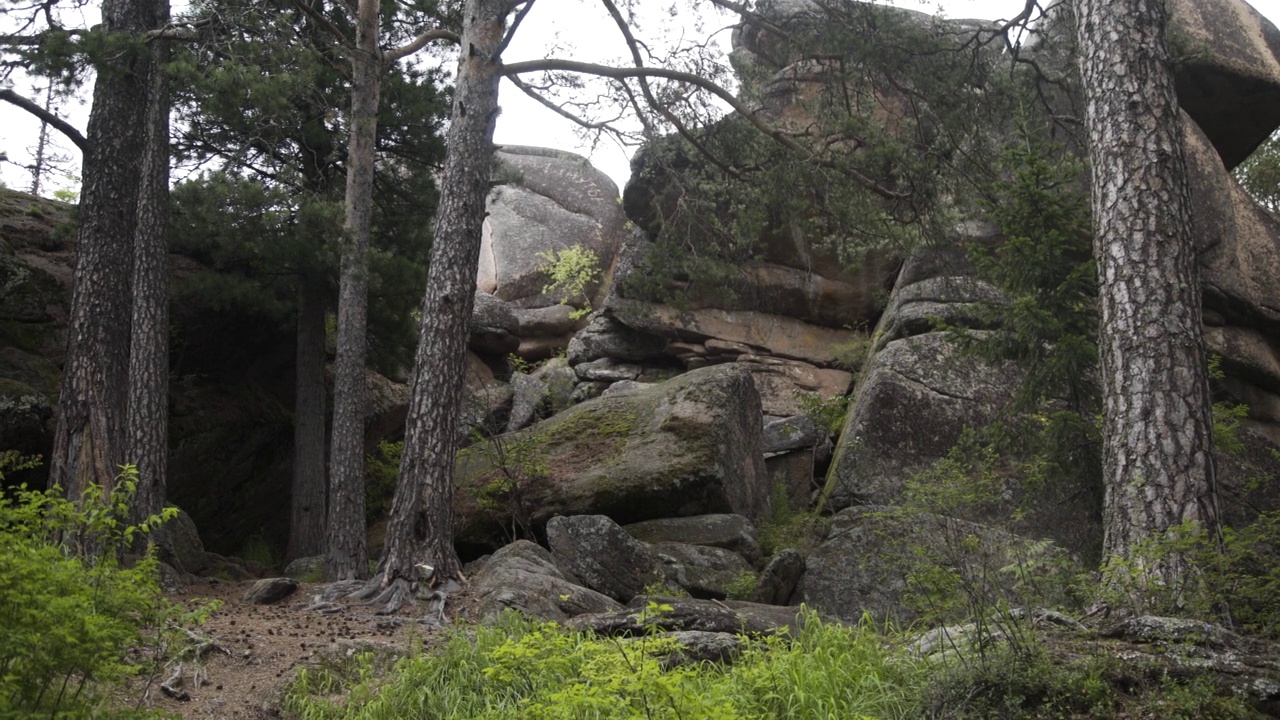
point(572, 271)
point(827, 413)
point(71, 615)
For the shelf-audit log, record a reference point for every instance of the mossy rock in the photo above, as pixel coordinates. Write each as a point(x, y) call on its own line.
point(689, 446)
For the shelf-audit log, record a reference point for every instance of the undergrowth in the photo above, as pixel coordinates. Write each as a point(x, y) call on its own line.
point(77, 623)
point(522, 669)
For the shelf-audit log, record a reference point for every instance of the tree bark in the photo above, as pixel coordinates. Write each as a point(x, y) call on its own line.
point(89, 441)
point(307, 505)
point(420, 526)
point(347, 556)
point(148, 411)
point(1158, 466)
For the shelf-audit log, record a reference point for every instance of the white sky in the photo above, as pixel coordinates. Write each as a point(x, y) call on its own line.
point(575, 29)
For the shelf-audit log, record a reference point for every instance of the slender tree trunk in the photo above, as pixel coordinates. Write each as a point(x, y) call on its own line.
point(148, 413)
point(89, 441)
point(347, 556)
point(420, 527)
point(1158, 466)
point(307, 522)
point(38, 167)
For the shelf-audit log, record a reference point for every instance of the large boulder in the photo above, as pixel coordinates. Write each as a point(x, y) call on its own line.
point(1228, 78)
point(916, 398)
point(523, 577)
point(703, 571)
point(551, 200)
point(873, 554)
point(600, 555)
point(687, 446)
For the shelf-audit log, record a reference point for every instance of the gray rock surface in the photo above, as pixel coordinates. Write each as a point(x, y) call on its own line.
point(184, 539)
point(871, 552)
point(523, 577)
point(604, 337)
point(600, 555)
point(528, 397)
point(915, 399)
point(305, 568)
point(731, 532)
point(791, 433)
point(551, 200)
point(702, 570)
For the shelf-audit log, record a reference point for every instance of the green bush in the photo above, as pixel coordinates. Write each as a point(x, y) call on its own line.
point(72, 618)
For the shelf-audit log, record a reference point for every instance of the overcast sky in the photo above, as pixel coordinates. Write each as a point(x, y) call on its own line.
point(561, 28)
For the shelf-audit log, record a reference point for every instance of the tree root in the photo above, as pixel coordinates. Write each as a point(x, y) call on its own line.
point(392, 596)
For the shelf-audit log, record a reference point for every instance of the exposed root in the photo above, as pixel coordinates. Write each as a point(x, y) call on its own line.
point(391, 596)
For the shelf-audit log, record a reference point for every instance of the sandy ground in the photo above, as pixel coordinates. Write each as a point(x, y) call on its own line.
point(260, 647)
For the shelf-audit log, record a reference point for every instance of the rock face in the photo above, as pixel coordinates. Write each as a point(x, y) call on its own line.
point(688, 446)
point(1232, 62)
point(551, 200)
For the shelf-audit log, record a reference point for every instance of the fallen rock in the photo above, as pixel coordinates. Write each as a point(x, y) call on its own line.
point(523, 577)
point(731, 532)
point(781, 434)
point(271, 590)
point(778, 580)
point(703, 571)
point(604, 337)
point(600, 555)
point(688, 446)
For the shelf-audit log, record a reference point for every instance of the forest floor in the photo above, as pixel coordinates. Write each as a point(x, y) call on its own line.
point(258, 649)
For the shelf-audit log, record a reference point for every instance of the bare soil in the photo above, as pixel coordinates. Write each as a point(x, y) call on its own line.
point(259, 648)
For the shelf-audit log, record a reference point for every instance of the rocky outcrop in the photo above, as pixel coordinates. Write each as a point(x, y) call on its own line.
point(550, 200)
point(688, 446)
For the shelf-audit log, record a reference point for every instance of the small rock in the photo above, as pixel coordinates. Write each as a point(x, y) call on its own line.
point(271, 590)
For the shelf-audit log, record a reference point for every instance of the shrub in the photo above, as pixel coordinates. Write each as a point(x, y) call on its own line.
point(70, 614)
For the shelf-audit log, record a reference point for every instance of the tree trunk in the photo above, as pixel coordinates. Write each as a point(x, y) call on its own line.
point(420, 527)
point(1158, 467)
point(89, 441)
point(347, 556)
point(148, 413)
point(307, 516)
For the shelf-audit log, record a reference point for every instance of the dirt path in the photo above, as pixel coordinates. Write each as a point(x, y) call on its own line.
point(261, 647)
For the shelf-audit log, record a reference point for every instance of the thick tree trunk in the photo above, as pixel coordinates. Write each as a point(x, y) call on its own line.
point(89, 442)
point(307, 506)
point(148, 414)
point(1158, 466)
point(347, 556)
point(420, 528)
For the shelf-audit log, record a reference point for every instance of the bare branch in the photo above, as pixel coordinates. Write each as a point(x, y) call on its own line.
point(54, 121)
point(524, 87)
point(619, 73)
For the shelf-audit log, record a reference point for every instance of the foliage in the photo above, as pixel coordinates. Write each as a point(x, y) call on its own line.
point(520, 669)
point(71, 615)
point(517, 465)
point(571, 271)
point(828, 414)
point(786, 527)
point(381, 472)
point(1260, 174)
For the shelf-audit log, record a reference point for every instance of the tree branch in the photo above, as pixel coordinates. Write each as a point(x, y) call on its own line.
point(54, 121)
point(420, 42)
point(619, 73)
point(515, 25)
point(343, 41)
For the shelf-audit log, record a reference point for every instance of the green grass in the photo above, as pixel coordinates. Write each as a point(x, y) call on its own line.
point(520, 669)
